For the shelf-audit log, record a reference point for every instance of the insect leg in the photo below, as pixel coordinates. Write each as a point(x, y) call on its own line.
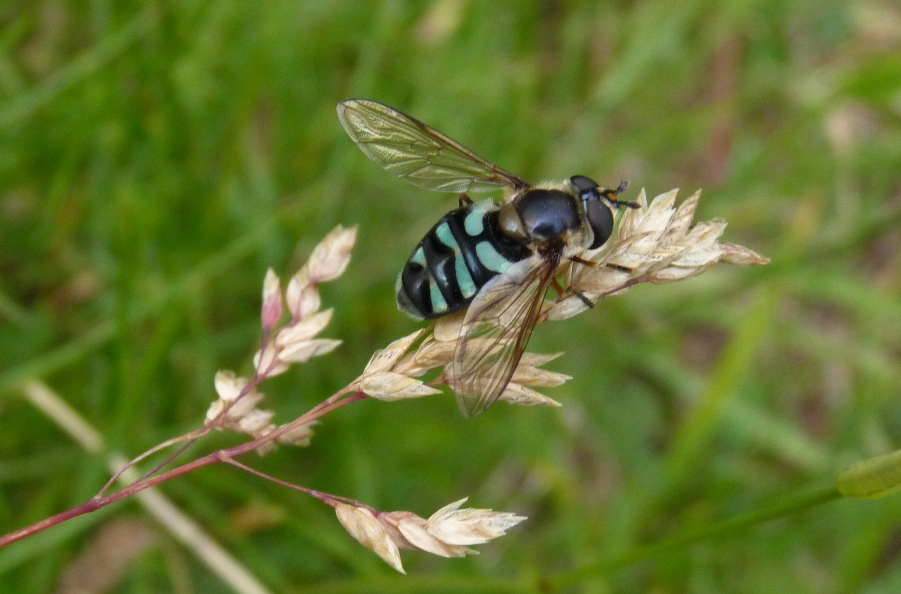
point(465, 200)
point(588, 303)
point(583, 261)
point(591, 264)
point(561, 291)
point(557, 287)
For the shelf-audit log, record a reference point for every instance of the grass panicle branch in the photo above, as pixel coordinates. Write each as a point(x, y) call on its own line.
point(658, 243)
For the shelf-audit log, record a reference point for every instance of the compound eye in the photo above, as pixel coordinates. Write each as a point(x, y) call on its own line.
point(584, 185)
point(600, 219)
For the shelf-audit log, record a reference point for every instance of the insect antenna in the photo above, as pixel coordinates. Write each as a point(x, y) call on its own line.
point(613, 196)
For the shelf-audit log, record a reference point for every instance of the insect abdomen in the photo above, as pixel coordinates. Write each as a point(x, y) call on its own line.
point(461, 253)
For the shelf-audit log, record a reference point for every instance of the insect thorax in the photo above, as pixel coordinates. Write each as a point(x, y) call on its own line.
point(551, 218)
point(461, 253)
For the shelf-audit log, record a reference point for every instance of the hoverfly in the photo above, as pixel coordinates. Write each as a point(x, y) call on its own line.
point(498, 259)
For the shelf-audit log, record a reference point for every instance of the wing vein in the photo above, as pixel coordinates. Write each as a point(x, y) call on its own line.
point(418, 153)
point(496, 331)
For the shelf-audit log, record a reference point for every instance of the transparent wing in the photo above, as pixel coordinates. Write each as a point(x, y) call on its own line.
point(417, 153)
point(496, 330)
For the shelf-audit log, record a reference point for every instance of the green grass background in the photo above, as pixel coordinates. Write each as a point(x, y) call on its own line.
point(156, 158)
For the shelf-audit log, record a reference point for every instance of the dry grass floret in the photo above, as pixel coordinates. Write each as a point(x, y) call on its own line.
point(657, 243)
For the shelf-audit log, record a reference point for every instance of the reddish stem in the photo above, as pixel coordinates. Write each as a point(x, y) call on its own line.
point(225, 455)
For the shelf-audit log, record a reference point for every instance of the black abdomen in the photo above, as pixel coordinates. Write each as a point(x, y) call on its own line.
point(461, 253)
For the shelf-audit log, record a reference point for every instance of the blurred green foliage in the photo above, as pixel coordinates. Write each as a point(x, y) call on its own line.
point(156, 158)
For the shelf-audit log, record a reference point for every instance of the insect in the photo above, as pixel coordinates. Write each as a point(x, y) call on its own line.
point(497, 259)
